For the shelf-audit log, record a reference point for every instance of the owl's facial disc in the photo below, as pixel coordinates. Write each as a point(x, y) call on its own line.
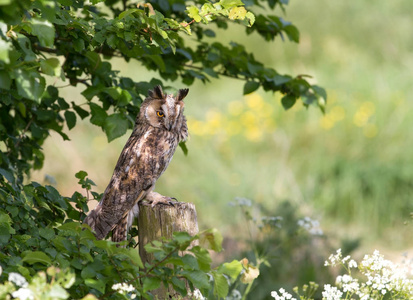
point(165, 113)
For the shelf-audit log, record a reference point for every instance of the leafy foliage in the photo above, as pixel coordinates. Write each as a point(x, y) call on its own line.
point(47, 41)
point(41, 239)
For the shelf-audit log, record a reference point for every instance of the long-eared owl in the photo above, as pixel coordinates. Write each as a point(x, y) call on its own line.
point(159, 127)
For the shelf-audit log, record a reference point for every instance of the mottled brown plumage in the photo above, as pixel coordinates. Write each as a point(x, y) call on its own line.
point(159, 128)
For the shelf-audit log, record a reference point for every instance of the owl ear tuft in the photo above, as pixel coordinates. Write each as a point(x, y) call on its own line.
point(156, 93)
point(182, 94)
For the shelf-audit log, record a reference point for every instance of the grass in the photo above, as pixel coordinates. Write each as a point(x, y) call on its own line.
point(350, 168)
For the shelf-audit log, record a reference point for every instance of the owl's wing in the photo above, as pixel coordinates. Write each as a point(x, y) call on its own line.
point(140, 164)
point(120, 232)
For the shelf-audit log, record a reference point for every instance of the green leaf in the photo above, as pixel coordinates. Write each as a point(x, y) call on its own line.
point(4, 234)
point(65, 2)
point(220, 285)
point(309, 98)
point(70, 117)
point(250, 86)
point(134, 256)
point(94, 60)
point(62, 103)
point(193, 12)
point(232, 269)
point(29, 84)
point(237, 13)
point(213, 237)
point(88, 272)
point(4, 51)
point(292, 32)
point(81, 175)
point(5, 2)
point(320, 91)
point(5, 228)
point(10, 178)
point(198, 278)
point(51, 66)
point(96, 284)
point(189, 262)
point(124, 98)
point(115, 126)
point(183, 238)
point(151, 283)
point(44, 30)
point(231, 3)
point(250, 18)
point(47, 233)
point(179, 285)
point(99, 115)
point(79, 45)
point(128, 12)
point(113, 91)
point(182, 145)
point(92, 91)
point(80, 111)
point(288, 101)
point(32, 257)
point(203, 258)
point(280, 79)
point(5, 80)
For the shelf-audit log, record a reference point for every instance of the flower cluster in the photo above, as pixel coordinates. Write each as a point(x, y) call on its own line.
point(23, 293)
point(124, 289)
point(312, 226)
point(331, 293)
point(282, 296)
point(378, 279)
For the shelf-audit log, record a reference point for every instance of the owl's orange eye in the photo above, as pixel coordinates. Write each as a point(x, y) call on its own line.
point(160, 114)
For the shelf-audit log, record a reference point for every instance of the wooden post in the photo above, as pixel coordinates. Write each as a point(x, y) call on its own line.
point(162, 221)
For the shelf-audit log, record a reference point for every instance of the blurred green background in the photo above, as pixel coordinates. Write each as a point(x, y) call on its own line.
point(351, 169)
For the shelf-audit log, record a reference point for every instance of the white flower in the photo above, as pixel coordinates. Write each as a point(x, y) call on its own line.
point(123, 288)
point(23, 294)
point(18, 279)
point(312, 226)
point(284, 295)
point(331, 293)
point(198, 295)
point(334, 259)
point(352, 264)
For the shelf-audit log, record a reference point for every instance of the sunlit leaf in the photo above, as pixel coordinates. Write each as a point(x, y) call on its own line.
point(44, 30)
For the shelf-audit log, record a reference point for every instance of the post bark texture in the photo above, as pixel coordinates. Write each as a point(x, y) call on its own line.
point(162, 221)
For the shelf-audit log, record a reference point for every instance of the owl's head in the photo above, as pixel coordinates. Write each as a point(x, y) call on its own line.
point(164, 111)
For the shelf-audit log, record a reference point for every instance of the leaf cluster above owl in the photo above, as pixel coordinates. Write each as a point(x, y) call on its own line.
point(82, 41)
point(160, 126)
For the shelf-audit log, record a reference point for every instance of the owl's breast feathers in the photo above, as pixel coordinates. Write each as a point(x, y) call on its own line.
point(144, 158)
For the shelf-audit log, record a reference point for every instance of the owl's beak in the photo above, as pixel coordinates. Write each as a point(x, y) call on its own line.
point(170, 127)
